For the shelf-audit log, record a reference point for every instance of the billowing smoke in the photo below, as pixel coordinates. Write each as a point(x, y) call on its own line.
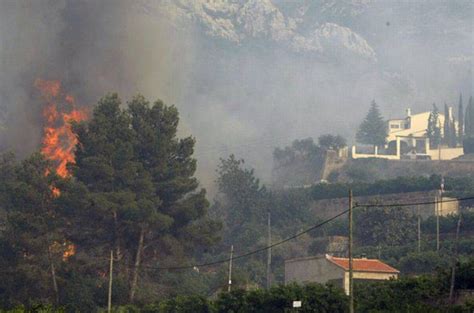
point(92, 47)
point(247, 76)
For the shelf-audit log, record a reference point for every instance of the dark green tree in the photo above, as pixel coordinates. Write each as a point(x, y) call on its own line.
point(469, 119)
point(387, 226)
point(434, 131)
point(446, 125)
point(299, 163)
point(449, 128)
point(460, 120)
point(243, 197)
point(332, 142)
point(453, 138)
point(141, 186)
point(32, 242)
point(373, 129)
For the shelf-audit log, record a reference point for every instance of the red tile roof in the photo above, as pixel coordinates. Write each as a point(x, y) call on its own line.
point(363, 265)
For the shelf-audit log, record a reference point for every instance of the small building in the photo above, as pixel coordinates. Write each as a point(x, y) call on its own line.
point(324, 269)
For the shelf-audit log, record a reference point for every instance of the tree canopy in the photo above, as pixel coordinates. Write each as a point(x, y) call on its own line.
point(434, 129)
point(132, 190)
point(373, 129)
point(332, 142)
point(141, 184)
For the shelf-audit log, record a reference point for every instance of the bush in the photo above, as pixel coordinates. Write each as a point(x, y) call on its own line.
point(185, 304)
point(468, 145)
point(314, 298)
point(425, 262)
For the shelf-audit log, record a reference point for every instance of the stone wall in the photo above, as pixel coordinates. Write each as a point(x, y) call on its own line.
point(375, 169)
point(327, 208)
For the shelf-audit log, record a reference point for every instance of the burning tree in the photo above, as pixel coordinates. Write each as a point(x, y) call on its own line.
point(59, 113)
point(141, 186)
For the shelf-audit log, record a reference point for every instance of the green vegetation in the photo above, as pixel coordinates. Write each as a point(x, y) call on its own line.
point(388, 226)
point(373, 129)
point(302, 162)
point(469, 119)
point(434, 129)
point(449, 129)
point(460, 120)
point(380, 187)
point(303, 150)
point(132, 191)
point(244, 204)
point(468, 142)
point(332, 142)
point(425, 293)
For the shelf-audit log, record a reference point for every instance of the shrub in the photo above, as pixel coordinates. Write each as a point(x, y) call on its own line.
point(468, 145)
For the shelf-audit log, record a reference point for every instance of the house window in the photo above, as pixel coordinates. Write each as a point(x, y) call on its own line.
point(394, 126)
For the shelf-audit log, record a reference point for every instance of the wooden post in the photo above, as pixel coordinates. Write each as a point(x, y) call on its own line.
point(351, 286)
point(440, 201)
point(419, 234)
point(269, 252)
point(440, 211)
point(111, 269)
point(455, 259)
point(419, 230)
point(229, 287)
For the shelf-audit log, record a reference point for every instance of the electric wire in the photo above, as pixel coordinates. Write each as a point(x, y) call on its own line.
point(247, 254)
point(372, 205)
point(356, 205)
point(251, 252)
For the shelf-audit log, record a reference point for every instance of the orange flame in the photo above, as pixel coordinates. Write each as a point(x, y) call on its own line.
point(58, 139)
point(70, 250)
point(67, 249)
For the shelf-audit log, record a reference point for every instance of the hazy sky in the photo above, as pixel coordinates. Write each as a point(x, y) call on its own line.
point(247, 76)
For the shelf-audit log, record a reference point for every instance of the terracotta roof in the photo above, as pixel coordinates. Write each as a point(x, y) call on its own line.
point(363, 265)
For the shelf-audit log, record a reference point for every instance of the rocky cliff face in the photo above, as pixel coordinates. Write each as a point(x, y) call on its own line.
point(292, 27)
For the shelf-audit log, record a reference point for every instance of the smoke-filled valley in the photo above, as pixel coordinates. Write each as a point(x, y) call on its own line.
point(246, 76)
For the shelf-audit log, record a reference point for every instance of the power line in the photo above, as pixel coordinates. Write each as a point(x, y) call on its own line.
point(356, 205)
point(374, 205)
point(251, 252)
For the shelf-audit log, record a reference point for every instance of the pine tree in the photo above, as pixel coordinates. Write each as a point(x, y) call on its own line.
point(453, 139)
point(446, 125)
point(32, 235)
point(142, 190)
point(373, 129)
point(469, 119)
point(460, 120)
point(434, 131)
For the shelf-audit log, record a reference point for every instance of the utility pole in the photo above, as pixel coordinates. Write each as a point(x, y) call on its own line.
point(351, 286)
point(455, 258)
point(439, 210)
point(230, 268)
point(111, 269)
point(419, 230)
point(269, 252)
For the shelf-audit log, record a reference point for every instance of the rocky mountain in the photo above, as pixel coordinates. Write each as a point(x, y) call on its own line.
point(241, 22)
point(322, 27)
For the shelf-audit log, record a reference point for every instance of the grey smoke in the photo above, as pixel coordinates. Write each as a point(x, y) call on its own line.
point(242, 96)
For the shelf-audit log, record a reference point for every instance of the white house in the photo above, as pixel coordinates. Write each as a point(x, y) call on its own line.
point(407, 138)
